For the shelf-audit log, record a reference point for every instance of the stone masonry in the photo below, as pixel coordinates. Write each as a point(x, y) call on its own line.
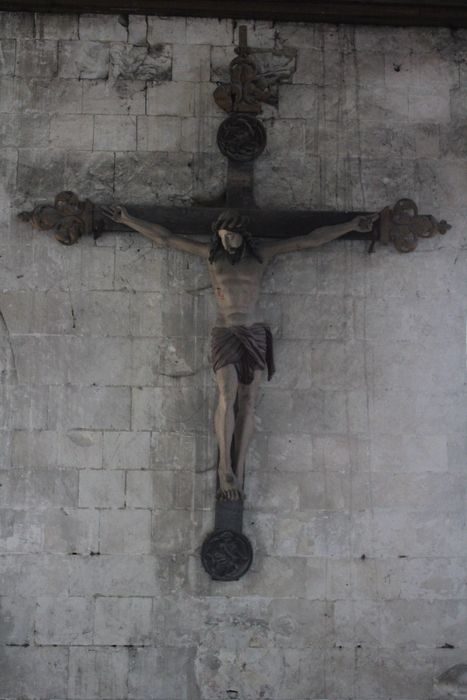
point(356, 480)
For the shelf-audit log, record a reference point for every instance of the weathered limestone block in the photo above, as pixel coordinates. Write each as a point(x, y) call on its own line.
point(10, 95)
point(106, 408)
point(199, 134)
point(268, 670)
point(64, 96)
point(23, 407)
point(126, 532)
point(286, 574)
point(74, 131)
point(140, 489)
point(7, 56)
point(18, 671)
point(299, 190)
point(123, 621)
point(126, 450)
point(39, 488)
point(137, 29)
point(430, 105)
point(294, 452)
point(160, 673)
point(349, 580)
point(150, 62)
point(209, 29)
point(64, 620)
point(112, 133)
point(138, 269)
point(33, 575)
point(191, 63)
point(429, 623)
point(101, 313)
point(115, 575)
point(145, 314)
point(21, 532)
point(36, 59)
point(31, 167)
point(102, 27)
point(179, 531)
point(18, 616)
point(166, 29)
point(171, 99)
point(8, 163)
point(101, 488)
point(397, 533)
point(16, 24)
point(72, 531)
point(98, 672)
point(171, 363)
point(90, 174)
point(120, 97)
point(86, 60)
point(62, 268)
point(425, 578)
point(409, 453)
point(58, 26)
point(159, 134)
point(277, 492)
point(139, 175)
point(173, 450)
point(51, 449)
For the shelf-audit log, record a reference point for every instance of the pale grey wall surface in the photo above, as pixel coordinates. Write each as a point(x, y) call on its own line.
point(356, 481)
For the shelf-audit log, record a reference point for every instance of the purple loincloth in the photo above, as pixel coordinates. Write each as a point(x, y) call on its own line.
point(246, 347)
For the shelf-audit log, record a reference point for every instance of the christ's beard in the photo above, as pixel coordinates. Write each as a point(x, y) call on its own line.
point(234, 255)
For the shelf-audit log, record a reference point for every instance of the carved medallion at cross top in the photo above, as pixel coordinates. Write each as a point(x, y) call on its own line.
point(243, 240)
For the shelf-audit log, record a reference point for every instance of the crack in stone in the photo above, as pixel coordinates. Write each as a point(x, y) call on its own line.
point(180, 375)
point(196, 290)
point(4, 325)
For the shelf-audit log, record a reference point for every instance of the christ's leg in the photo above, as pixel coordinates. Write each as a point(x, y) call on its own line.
point(245, 423)
point(224, 422)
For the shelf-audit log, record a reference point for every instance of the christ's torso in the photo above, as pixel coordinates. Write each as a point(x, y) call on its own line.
point(236, 288)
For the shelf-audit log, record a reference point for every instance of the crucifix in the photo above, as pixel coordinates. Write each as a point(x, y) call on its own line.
point(244, 239)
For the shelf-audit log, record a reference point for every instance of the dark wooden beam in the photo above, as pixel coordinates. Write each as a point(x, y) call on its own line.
point(450, 13)
point(263, 223)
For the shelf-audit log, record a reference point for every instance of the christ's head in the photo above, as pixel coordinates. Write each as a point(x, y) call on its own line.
point(231, 238)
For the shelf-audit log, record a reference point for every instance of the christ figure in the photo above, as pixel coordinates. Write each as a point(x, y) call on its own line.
point(241, 343)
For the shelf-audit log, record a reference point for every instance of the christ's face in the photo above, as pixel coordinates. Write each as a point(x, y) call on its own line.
point(231, 240)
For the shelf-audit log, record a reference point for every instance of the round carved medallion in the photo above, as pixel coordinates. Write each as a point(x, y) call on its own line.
point(226, 555)
point(241, 137)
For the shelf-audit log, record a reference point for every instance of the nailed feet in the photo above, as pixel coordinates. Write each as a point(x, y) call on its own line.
point(229, 488)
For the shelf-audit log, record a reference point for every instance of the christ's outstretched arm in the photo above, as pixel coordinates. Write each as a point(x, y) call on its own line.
point(321, 235)
point(159, 234)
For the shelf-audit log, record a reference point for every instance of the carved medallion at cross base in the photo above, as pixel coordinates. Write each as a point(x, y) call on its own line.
point(241, 347)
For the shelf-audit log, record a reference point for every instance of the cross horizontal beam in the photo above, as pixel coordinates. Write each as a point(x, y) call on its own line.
point(270, 223)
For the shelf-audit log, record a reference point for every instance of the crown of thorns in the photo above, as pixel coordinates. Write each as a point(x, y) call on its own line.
point(232, 220)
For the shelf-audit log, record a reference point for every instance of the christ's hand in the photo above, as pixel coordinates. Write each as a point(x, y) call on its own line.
point(363, 224)
point(118, 214)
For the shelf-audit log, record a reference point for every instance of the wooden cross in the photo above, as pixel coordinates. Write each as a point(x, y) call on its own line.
point(227, 554)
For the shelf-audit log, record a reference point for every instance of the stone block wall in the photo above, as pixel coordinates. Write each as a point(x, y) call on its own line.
point(356, 479)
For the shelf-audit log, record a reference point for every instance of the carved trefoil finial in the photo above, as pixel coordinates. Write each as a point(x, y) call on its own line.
point(69, 218)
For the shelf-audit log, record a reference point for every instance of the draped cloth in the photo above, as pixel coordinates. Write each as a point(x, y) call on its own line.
point(246, 347)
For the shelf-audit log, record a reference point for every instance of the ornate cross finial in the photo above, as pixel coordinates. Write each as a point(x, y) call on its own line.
point(246, 91)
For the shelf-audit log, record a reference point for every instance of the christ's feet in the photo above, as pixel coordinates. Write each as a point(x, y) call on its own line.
point(229, 488)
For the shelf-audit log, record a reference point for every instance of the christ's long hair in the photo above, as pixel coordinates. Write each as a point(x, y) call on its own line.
point(232, 220)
